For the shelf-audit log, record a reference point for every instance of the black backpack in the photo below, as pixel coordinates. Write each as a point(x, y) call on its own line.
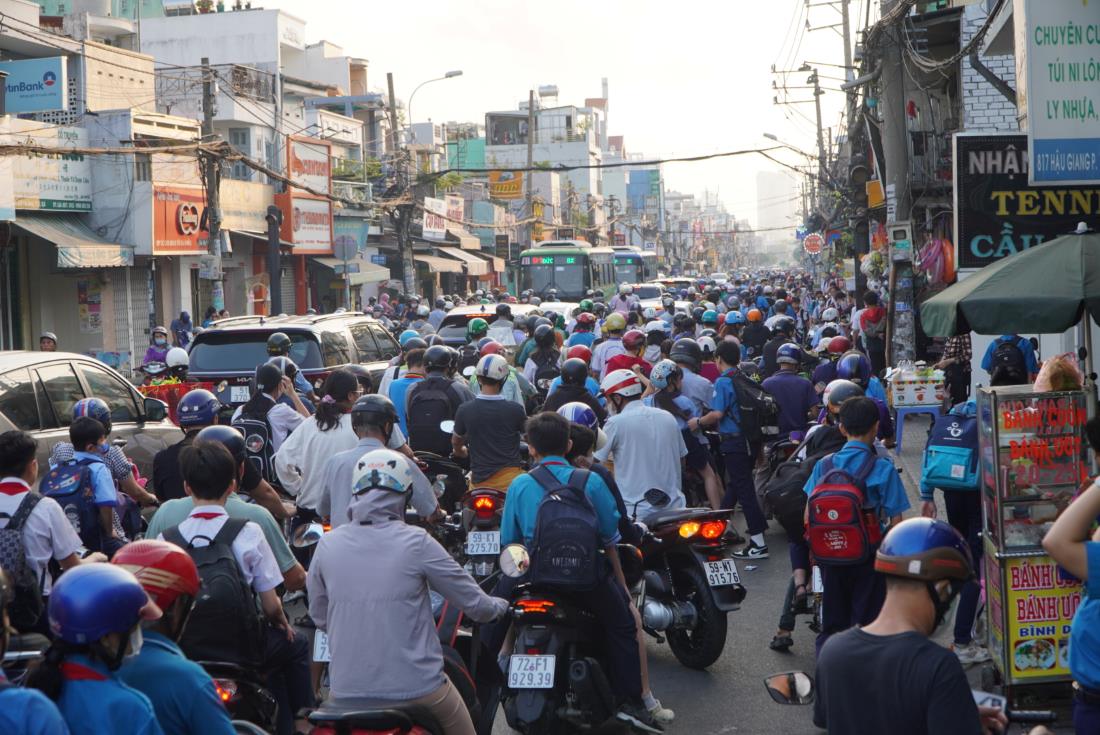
point(547, 368)
point(784, 495)
point(253, 423)
point(468, 356)
point(566, 546)
point(1009, 366)
point(758, 409)
point(27, 607)
point(431, 401)
point(225, 624)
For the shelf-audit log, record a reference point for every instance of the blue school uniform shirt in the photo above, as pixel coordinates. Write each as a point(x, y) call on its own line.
point(584, 339)
point(1084, 637)
point(590, 385)
point(525, 494)
point(94, 701)
point(884, 489)
point(182, 693)
point(725, 400)
point(29, 712)
point(1021, 342)
point(399, 391)
point(103, 484)
point(683, 403)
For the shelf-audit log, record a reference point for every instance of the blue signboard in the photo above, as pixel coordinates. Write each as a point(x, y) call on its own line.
point(36, 85)
point(378, 259)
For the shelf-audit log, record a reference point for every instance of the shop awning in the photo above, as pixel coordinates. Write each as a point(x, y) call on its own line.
point(262, 236)
point(439, 265)
point(77, 245)
point(498, 263)
point(369, 273)
point(475, 266)
point(465, 240)
point(337, 264)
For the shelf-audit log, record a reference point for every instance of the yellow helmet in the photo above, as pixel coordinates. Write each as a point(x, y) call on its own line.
point(615, 322)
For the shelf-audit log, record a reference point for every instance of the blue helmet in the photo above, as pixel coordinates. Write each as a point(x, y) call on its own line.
point(232, 439)
point(854, 366)
point(95, 408)
point(924, 549)
point(406, 336)
point(197, 408)
point(580, 413)
point(710, 316)
point(662, 372)
point(92, 600)
point(735, 317)
point(788, 354)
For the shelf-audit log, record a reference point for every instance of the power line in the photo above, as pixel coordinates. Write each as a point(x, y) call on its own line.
point(617, 164)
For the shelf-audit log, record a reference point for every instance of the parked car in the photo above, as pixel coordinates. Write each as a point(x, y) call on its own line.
point(228, 353)
point(38, 391)
point(453, 327)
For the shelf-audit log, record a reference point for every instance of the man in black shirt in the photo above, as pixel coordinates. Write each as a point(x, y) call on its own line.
point(574, 374)
point(888, 677)
point(489, 428)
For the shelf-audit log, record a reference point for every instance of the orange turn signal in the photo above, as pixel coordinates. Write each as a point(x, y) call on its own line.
point(689, 529)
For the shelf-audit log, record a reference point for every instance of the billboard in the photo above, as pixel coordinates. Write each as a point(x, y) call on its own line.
point(309, 164)
point(36, 85)
point(59, 182)
point(506, 184)
point(997, 212)
point(177, 218)
point(308, 225)
point(435, 227)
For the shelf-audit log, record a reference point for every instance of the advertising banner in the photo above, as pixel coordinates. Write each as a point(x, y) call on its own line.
point(177, 218)
point(309, 164)
point(1063, 91)
point(506, 184)
point(307, 224)
point(1040, 600)
point(435, 226)
point(997, 212)
point(36, 85)
point(59, 182)
point(244, 204)
point(455, 211)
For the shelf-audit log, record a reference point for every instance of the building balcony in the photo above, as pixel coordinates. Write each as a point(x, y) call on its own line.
point(357, 192)
point(348, 169)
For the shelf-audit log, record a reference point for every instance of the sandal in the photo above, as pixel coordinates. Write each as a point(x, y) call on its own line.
point(799, 603)
point(781, 643)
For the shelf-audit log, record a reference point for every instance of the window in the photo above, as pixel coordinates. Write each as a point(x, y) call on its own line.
point(335, 348)
point(239, 138)
point(143, 167)
point(364, 342)
point(62, 390)
point(242, 351)
point(117, 394)
point(386, 343)
point(17, 402)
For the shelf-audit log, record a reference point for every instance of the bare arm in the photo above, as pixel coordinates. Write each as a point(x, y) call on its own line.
point(458, 445)
point(616, 565)
point(107, 520)
point(273, 611)
point(265, 496)
point(1066, 539)
point(288, 389)
point(131, 487)
point(294, 578)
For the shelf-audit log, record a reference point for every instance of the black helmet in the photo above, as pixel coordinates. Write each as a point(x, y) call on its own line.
point(438, 357)
point(688, 352)
point(520, 323)
point(544, 335)
point(540, 321)
point(783, 326)
point(415, 343)
point(456, 358)
point(574, 371)
point(285, 364)
point(708, 333)
point(504, 311)
point(697, 314)
point(228, 437)
point(268, 377)
point(366, 382)
point(432, 340)
point(375, 410)
point(682, 322)
point(278, 343)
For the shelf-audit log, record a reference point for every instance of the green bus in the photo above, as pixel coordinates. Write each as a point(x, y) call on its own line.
point(571, 266)
point(634, 266)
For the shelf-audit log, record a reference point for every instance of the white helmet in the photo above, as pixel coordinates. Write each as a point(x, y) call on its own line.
point(381, 469)
point(767, 289)
point(649, 314)
point(655, 326)
point(706, 344)
point(422, 310)
point(493, 367)
point(177, 357)
point(621, 382)
point(626, 289)
point(830, 315)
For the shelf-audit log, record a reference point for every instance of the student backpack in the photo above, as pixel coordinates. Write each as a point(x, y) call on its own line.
point(951, 454)
point(565, 548)
point(1008, 364)
point(430, 402)
point(70, 484)
point(27, 607)
point(260, 451)
point(841, 531)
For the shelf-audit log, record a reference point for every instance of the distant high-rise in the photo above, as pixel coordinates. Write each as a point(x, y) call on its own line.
point(777, 201)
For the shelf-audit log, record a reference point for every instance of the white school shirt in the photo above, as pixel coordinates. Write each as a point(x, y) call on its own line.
point(250, 548)
point(47, 533)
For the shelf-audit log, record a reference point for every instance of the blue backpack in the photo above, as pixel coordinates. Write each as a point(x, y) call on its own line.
point(566, 546)
point(70, 484)
point(951, 455)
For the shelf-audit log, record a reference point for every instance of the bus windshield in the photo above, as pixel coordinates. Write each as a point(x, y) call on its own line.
point(629, 271)
point(567, 278)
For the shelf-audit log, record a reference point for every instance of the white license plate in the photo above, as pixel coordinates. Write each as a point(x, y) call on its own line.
point(722, 573)
point(239, 394)
point(321, 651)
point(818, 584)
point(531, 672)
point(481, 543)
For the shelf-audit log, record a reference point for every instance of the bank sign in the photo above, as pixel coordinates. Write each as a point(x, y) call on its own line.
point(36, 85)
point(997, 212)
point(1063, 90)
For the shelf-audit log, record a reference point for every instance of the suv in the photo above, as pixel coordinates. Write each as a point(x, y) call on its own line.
point(228, 353)
point(452, 329)
point(38, 391)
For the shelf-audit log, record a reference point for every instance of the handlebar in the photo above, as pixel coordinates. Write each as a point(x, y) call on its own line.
point(1032, 717)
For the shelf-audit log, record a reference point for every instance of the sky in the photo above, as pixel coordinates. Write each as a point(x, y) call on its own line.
point(685, 78)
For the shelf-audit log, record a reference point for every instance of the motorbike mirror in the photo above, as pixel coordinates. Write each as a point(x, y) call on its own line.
point(447, 426)
point(791, 687)
point(514, 561)
point(657, 498)
point(468, 371)
point(119, 442)
point(307, 535)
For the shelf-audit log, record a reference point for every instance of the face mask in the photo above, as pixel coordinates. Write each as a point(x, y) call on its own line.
point(944, 598)
point(160, 341)
point(104, 447)
point(136, 641)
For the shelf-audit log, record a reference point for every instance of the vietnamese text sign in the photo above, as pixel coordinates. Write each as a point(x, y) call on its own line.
point(36, 85)
point(309, 225)
point(1040, 600)
point(813, 243)
point(1063, 90)
point(55, 182)
point(309, 164)
point(997, 213)
point(177, 218)
point(244, 204)
point(456, 206)
point(435, 226)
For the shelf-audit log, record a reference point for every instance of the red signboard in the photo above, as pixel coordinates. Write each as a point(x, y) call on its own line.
point(813, 244)
point(177, 217)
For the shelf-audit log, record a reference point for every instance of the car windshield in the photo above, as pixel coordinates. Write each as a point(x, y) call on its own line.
point(628, 272)
point(453, 329)
point(218, 352)
point(646, 291)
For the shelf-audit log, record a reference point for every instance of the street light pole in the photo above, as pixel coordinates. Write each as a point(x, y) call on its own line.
point(408, 106)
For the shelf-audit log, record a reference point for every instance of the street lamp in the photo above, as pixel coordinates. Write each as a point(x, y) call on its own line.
point(785, 144)
point(408, 107)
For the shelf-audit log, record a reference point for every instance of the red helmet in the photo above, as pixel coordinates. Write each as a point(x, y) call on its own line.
point(839, 345)
point(492, 347)
point(580, 352)
point(634, 340)
point(588, 320)
point(164, 570)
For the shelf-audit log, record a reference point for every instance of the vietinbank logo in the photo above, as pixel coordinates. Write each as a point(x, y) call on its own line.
point(49, 79)
point(36, 85)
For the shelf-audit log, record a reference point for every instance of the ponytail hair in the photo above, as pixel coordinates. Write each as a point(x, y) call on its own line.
point(334, 403)
point(46, 677)
point(665, 399)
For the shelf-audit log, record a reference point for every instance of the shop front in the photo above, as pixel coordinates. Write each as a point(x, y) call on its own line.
point(244, 216)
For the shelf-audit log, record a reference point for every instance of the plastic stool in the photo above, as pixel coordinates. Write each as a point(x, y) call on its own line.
point(899, 419)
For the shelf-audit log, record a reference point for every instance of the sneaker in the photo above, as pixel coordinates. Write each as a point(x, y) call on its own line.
point(663, 715)
point(638, 717)
point(752, 551)
point(970, 653)
point(781, 643)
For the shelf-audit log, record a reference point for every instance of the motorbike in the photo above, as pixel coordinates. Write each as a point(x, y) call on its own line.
point(689, 583)
point(244, 693)
point(24, 652)
point(481, 524)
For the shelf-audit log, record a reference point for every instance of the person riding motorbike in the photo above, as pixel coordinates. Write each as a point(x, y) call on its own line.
point(825, 372)
point(516, 387)
point(178, 363)
point(543, 364)
point(732, 325)
point(634, 344)
point(613, 327)
point(279, 344)
point(624, 300)
point(389, 653)
point(488, 429)
point(573, 386)
point(182, 693)
point(656, 332)
point(783, 333)
point(421, 322)
point(434, 399)
point(583, 331)
point(755, 334)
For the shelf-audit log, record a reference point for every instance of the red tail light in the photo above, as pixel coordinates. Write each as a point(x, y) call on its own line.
point(535, 606)
point(483, 505)
point(712, 530)
point(226, 688)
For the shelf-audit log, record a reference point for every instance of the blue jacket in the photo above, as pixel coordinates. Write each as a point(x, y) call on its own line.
point(94, 701)
point(885, 491)
point(521, 505)
point(182, 693)
point(29, 712)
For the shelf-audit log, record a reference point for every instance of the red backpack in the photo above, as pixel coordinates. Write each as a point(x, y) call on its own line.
point(840, 529)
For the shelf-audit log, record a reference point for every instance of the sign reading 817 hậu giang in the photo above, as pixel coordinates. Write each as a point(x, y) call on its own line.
point(997, 212)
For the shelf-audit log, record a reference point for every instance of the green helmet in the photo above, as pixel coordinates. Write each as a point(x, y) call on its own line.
point(559, 321)
point(585, 305)
point(477, 328)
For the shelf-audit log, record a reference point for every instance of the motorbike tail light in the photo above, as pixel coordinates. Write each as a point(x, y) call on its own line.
point(483, 505)
point(535, 606)
point(327, 527)
point(689, 529)
point(226, 688)
point(712, 530)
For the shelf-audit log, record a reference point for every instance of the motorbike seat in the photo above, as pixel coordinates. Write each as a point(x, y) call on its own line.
point(670, 515)
point(400, 719)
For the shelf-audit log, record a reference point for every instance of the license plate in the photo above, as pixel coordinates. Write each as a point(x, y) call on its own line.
point(239, 394)
point(818, 584)
point(321, 652)
point(531, 672)
point(722, 573)
point(481, 543)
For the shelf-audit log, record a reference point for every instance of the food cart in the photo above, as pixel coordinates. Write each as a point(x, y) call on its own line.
point(1034, 457)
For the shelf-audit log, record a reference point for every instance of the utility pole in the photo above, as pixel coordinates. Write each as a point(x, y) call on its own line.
point(895, 143)
point(211, 162)
point(612, 207)
point(404, 187)
point(529, 191)
point(849, 72)
point(274, 285)
point(821, 160)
